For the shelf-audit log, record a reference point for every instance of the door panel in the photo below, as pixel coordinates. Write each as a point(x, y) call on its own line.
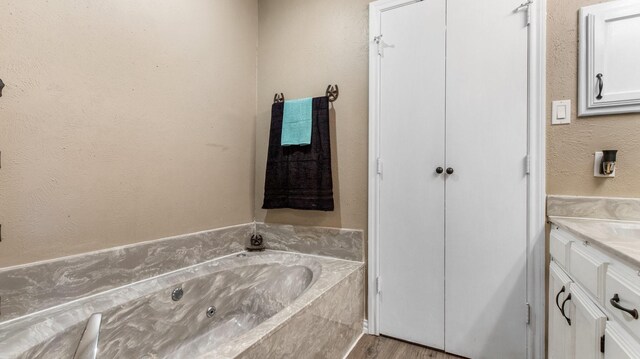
point(588, 268)
point(560, 339)
point(587, 323)
point(486, 196)
point(626, 286)
point(616, 54)
point(619, 344)
point(411, 226)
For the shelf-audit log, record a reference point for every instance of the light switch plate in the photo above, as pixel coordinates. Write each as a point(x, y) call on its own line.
point(561, 112)
point(597, 160)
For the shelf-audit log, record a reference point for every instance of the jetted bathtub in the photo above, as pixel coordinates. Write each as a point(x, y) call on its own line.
point(267, 304)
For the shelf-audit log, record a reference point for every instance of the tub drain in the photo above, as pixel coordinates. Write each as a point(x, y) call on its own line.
point(177, 294)
point(211, 311)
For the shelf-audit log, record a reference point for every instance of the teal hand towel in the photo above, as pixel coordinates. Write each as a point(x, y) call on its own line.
point(296, 122)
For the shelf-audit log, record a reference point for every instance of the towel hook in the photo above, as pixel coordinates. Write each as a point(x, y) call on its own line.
point(333, 93)
point(278, 98)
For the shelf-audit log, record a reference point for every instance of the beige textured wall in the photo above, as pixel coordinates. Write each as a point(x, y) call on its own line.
point(304, 46)
point(124, 121)
point(570, 148)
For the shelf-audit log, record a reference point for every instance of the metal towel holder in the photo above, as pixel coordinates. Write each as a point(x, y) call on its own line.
point(332, 93)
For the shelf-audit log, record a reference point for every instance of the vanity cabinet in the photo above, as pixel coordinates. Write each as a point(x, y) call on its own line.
point(593, 301)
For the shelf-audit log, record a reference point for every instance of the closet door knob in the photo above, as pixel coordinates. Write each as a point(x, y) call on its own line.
point(449, 171)
point(439, 170)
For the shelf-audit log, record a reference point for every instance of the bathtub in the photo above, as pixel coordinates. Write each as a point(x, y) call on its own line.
point(247, 305)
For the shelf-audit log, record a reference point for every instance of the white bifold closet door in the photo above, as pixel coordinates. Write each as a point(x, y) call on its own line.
point(452, 247)
point(486, 197)
point(412, 135)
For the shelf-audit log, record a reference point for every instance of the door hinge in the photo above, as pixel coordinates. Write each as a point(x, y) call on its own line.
point(527, 7)
point(378, 288)
point(528, 313)
point(528, 164)
point(379, 166)
point(602, 344)
point(378, 41)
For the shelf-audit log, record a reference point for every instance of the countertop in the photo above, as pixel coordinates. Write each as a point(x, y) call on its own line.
point(617, 238)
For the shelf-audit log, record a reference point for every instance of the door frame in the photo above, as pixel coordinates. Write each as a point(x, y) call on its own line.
point(536, 193)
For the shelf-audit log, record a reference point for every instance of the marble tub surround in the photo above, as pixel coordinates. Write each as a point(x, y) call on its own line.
point(625, 209)
point(34, 287)
point(332, 242)
point(618, 238)
point(327, 328)
point(248, 291)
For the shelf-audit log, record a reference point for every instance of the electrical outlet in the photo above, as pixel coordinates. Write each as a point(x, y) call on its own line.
point(597, 162)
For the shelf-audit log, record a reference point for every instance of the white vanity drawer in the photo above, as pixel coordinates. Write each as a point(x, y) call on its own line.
point(588, 268)
point(627, 289)
point(619, 344)
point(559, 245)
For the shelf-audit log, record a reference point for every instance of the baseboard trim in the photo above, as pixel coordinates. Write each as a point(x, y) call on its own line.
point(353, 345)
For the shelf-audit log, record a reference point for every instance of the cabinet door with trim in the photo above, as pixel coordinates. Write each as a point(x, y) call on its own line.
point(619, 344)
point(587, 323)
point(609, 52)
point(561, 341)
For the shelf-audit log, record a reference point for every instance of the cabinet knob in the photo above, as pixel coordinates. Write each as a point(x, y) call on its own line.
point(600, 86)
point(558, 297)
point(449, 171)
point(439, 170)
point(562, 309)
point(615, 302)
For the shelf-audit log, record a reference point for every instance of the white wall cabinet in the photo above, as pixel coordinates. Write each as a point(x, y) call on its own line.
point(583, 324)
point(609, 80)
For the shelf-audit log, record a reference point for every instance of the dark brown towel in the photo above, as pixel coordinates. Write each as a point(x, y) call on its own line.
point(299, 177)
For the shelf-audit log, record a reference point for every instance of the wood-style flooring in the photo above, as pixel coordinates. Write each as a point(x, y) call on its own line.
point(373, 347)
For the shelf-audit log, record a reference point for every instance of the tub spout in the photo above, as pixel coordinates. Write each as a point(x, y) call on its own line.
point(88, 346)
point(256, 243)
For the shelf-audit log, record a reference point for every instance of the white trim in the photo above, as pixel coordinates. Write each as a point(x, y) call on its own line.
point(536, 260)
point(536, 292)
